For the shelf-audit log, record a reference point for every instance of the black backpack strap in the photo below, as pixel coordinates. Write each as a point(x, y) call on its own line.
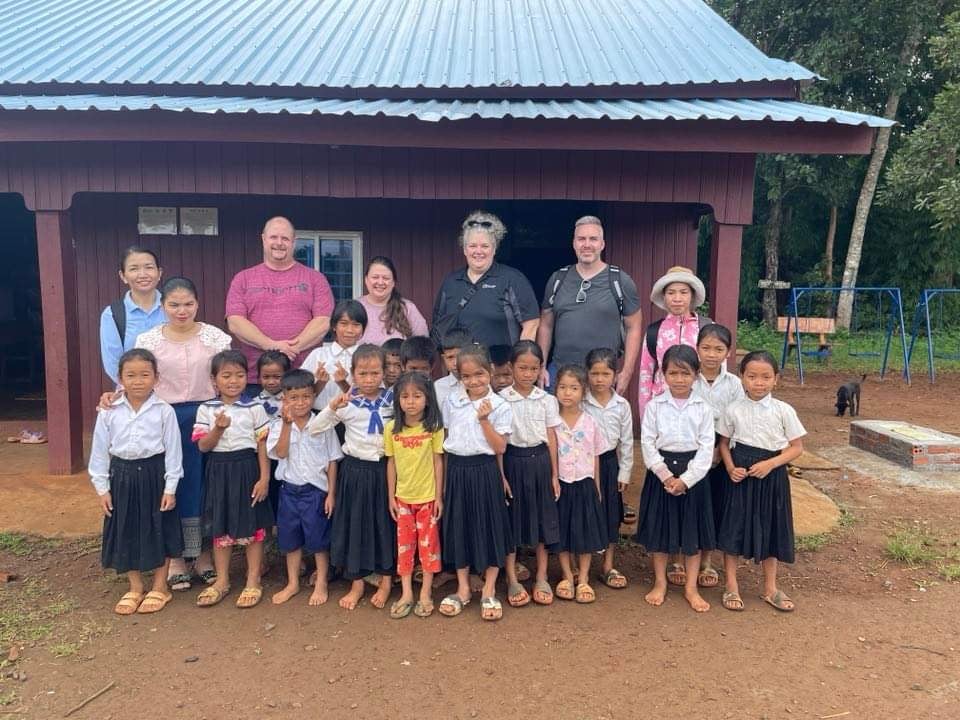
point(561, 274)
point(653, 329)
point(613, 273)
point(119, 310)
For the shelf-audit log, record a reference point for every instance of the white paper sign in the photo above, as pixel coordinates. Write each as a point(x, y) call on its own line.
point(157, 220)
point(198, 221)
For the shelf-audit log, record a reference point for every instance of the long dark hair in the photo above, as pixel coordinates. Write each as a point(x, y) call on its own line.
point(394, 315)
point(432, 418)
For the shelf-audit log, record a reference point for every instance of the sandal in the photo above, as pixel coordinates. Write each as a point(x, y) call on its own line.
point(517, 595)
point(542, 594)
point(629, 515)
point(523, 572)
point(564, 590)
point(423, 609)
point(154, 602)
point(615, 579)
point(207, 577)
point(491, 609)
point(708, 578)
point(399, 610)
point(249, 597)
point(585, 594)
point(32, 437)
point(181, 582)
point(732, 601)
point(211, 596)
point(452, 605)
point(779, 600)
point(677, 574)
point(128, 604)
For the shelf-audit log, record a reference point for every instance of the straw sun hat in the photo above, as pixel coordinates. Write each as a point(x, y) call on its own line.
point(679, 274)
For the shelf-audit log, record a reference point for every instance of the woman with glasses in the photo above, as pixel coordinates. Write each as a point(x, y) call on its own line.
point(493, 302)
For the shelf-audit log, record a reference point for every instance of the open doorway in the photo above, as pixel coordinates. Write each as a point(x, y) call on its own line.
point(21, 328)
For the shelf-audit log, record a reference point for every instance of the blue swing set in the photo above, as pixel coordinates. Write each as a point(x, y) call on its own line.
point(922, 322)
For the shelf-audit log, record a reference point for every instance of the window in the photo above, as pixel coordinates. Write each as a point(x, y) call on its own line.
point(338, 255)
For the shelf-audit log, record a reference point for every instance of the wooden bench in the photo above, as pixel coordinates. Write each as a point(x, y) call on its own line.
point(821, 327)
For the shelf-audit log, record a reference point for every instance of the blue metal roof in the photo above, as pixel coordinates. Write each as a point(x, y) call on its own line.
point(378, 43)
point(743, 109)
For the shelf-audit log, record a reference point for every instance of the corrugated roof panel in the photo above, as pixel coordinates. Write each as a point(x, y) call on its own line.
point(378, 43)
point(743, 109)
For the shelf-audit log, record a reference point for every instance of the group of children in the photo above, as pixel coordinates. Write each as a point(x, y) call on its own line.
point(455, 474)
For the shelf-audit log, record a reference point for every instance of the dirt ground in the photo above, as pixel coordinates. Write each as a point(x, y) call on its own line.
point(872, 636)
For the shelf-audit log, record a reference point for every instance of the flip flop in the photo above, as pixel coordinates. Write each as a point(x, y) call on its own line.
point(249, 597)
point(212, 595)
point(181, 582)
point(490, 609)
point(423, 609)
point(629, 515)
point(779, 600)
point(154, 602)
point(517, 595)
point(708, 578)
point(208, 577)
point(542, 594)
point(676, 575)
point(564, 590)
point(732, 601)
point(585, 594)
point(128, 604)
point(32, 437)
point(399, 610)
point(615, 579)
point(523, 572)
point(454, 605)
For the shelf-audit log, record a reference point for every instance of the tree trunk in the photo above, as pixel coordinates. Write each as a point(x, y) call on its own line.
point(869, 187)
point(771, 251)
point(828, 250)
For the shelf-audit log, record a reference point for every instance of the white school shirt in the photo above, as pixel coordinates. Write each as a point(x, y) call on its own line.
point(129, 434)
point(667, 426)
point(767, 423)
point(615, 421)
point(272, 404)
point(532, 415)
point(725, 389)
point(464, 434)
point(307, 457)
point(329, 356)
point(248, 424)
point(444, 386)
point(357, 442)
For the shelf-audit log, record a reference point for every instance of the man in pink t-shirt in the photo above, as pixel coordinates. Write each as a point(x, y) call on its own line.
point(279, 304)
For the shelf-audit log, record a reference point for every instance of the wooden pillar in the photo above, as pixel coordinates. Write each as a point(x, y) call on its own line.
point(61, 346)
point(725, 278)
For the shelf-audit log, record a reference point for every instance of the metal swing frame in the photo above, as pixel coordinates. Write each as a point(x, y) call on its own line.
point(923, 309)
point(896, 312)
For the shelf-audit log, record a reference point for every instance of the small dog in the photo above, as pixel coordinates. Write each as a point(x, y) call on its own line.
point(848, 395)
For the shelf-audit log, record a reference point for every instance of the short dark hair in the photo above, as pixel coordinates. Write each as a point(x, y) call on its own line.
point(499, 354)
point(227, 357)
point(715, 330)
point(761, 356)
point(137, 250)
point(417, 347)
point(455, 338)
point(352, 309)
point(601, 355)
point(432, 418)
point(177, 283)
point(681, 355)
point(365, 351)
point(137, 354)
point(392, 346)
point(273, 357)
point(297, 380)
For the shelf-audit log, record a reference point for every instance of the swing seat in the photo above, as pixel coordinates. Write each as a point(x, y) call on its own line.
point(821, 327)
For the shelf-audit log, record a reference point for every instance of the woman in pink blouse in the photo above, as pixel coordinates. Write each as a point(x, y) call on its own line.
point(183, 348)
point(389, 315)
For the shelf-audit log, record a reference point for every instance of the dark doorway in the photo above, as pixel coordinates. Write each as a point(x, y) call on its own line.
point(21, 329)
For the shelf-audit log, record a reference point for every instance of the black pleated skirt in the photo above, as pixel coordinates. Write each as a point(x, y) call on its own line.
point(475, 531)
point(582, 525)
point(230, 477)
point(757, 513)
point(719, 482)
point(137, 536)
point(363, 536)
point(533, 509)
point(611, 497)
point(676, 523)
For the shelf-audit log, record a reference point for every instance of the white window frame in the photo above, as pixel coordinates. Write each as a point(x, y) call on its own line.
point(356, 248)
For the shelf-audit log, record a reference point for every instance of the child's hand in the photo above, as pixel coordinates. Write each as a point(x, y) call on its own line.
point(287, 415)
point(168, 502)
point(716, 457)
point(484, 409)
point(437, 509)
point(555, 483)
point(329, 504)
point(260, 491)
point(340, 374)
point(506, 488)
point(340, 401)
point(675, 486)
point(738, 474)
point(760, 469)
point(222, 421)
point(394, 508)
point(321, 376)
point(109, 398)
point(106, 504)
point(621, 487)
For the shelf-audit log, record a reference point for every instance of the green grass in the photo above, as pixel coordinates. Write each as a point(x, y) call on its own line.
point(847, 518)
point(23, 545)
point(8, 698)
point(911, 546)
point(811, 543)
point(27, 612)
point(950, 571)
point(65, 649)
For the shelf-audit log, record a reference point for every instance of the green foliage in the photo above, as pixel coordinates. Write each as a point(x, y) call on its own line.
point(811, 543)
point(911, 546)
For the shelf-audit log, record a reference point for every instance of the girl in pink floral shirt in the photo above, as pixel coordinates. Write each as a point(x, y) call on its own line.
point(579, 445)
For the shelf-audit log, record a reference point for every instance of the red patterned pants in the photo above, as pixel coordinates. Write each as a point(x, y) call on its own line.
point(417, 532)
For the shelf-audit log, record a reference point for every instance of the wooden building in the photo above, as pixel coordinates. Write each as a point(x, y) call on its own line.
point(376, 125)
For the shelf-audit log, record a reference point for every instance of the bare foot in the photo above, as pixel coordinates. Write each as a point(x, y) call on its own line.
point(696, 601)
point(656, 596)
point(380, 597)
point(288, 592)
point(319, 594)
point(312, 580)
point(476, 583)
point(350, 600)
